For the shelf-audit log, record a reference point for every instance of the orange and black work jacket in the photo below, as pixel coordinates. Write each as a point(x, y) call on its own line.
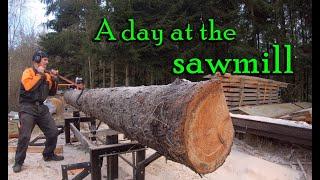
point(36, 87)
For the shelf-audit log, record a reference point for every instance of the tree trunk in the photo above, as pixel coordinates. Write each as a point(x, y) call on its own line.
point(188, 122)
point(9, 78)
point(86, 74)
point(283, 38)
point(151, 78)
point(104, 74)
point(90, 72)
point(112, 74)
point(254, 40)
point(127, 74)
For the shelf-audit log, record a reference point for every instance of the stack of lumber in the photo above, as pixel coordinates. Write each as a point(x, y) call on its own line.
point(36, 149)
point(243, 90)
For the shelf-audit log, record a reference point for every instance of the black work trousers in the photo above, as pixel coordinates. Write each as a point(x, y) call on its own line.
point(29, 117)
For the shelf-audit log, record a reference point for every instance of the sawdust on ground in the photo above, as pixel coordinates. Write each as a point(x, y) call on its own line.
point(251, 158)
point(238, 165)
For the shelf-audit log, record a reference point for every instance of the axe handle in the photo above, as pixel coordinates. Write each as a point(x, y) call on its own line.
point(65, 79)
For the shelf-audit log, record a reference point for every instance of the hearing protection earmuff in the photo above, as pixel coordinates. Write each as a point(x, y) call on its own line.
point(38, 55)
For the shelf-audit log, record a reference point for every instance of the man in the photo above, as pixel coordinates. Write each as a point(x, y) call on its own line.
point(36, 85)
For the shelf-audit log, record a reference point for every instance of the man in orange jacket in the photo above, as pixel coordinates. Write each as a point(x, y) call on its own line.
point(36, 85)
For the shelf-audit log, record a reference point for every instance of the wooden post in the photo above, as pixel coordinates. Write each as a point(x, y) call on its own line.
point(258, 94)
point(241, 91)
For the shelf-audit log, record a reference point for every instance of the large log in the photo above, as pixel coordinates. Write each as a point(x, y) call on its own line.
point(188, 122)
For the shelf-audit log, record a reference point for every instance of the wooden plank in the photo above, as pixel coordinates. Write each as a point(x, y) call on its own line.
point(13, 129)
point(65, 84)
point(261, 88)
point(304, 105)
point(234, 98)
point(270, 110)
point(260, 102)
point(269, 98)
point(301, 115)
point(75, 171)
point(241, 92)
point(254, 95)
point(254, 79)
point(228, 89)
point(246, 85)
point(303, 112)
point(251, 102)
point(230, 103)
point(13, 135)
point(299, 133)
point(232, 94)
point(258, 93)
point(251, 82)
point(302, 169)
point(84, 141)
point(36, 149)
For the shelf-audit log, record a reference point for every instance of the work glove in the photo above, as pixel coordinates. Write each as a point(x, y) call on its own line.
point(54, 74)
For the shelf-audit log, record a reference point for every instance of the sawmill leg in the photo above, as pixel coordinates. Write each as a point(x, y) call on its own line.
point(112, 161)
point(139, 172)
point(95, 165)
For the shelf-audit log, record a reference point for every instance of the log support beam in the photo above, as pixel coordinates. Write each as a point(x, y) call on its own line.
point(111, 150)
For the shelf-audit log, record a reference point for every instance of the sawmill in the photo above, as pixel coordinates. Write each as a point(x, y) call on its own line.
point(160, 90)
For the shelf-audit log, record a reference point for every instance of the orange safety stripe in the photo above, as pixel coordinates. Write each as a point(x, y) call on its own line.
point(29, 79)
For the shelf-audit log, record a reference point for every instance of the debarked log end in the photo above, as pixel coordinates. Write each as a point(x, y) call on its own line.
point(208, 130)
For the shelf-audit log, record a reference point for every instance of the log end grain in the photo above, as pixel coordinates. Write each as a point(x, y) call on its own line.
point(208, 129)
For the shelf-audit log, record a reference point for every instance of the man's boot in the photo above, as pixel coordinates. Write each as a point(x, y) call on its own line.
point(54, 157)
point(17, 167)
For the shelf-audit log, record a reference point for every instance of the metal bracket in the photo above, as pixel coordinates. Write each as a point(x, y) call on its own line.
point(33, 142)
point(85, 172)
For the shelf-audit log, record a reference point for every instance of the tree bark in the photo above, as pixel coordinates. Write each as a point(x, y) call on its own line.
point(188, 122)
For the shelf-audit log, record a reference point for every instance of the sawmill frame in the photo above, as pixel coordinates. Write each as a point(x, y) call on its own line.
point(111, 149)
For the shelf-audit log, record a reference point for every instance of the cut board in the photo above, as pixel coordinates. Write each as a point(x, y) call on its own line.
point(270, 110)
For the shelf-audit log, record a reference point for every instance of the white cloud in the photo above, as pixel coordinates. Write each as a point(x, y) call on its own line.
point(34, 15)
